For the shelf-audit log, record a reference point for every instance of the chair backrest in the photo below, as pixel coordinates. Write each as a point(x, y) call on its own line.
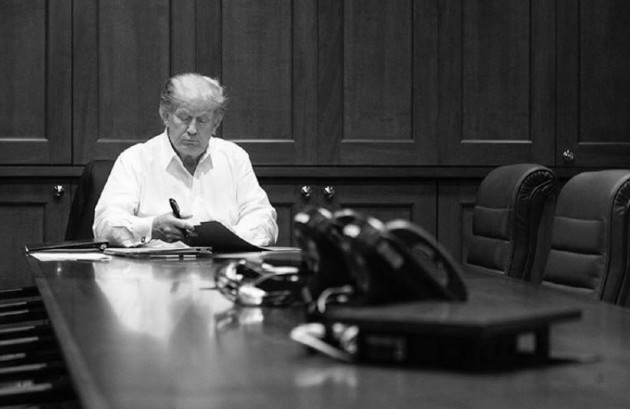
point(88, 191)
point(511, 216)
point(589, 238)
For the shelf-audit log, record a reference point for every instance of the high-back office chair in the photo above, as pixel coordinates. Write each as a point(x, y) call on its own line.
point(91, 184)
point(513, 208)
point(589, 239)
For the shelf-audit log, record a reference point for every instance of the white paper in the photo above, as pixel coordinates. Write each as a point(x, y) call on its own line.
point(58, 256)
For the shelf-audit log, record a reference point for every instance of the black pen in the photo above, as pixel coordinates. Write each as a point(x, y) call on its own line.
point(176, 213)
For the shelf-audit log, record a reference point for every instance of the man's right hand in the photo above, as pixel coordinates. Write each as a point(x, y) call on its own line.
point(167, 227)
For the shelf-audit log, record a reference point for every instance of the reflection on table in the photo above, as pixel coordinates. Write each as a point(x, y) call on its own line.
point(146, 334)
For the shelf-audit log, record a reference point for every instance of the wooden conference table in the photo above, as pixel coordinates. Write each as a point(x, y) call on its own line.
point(149, 334)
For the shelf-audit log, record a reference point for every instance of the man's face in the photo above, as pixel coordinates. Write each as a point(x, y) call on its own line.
point(190, 128)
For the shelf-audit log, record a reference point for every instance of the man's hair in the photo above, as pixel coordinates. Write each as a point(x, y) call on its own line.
point(185, 87)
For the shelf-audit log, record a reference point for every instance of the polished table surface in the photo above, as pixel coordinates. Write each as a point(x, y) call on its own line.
point(153, 334)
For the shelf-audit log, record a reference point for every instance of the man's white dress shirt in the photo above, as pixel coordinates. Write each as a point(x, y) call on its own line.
point(223, 188)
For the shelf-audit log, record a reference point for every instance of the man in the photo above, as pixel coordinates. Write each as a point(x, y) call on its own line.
point(210, 178)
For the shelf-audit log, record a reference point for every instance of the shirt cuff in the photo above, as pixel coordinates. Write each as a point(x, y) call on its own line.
point(142, 229)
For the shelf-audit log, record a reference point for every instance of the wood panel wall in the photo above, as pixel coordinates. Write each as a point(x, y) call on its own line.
point(35, 85)
point(325, 82)
point(420, 96)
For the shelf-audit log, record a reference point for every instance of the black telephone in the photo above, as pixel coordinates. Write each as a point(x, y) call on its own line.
point(369, 262)
point(324, 250)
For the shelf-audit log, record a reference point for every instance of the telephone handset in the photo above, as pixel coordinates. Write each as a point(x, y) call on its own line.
point(380, 263)
point(324, 250)
point(430, 257)
point(398, 262)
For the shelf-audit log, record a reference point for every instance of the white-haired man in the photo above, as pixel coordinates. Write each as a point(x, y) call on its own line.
point(210, 178)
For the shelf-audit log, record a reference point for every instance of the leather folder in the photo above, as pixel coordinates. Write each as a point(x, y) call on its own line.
point(83, 245)
point(223, 240)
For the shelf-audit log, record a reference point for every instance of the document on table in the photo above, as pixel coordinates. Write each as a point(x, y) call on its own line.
point(71, 255)
point(83, 250)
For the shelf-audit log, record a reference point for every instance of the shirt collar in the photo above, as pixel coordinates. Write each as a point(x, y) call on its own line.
point(167, 154)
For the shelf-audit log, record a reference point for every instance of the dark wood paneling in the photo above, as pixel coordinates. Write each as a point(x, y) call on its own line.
point(23, 43)
point(375, 106)
point(285, 199)
point(184, 36)
point(29, 213)
point(456, 200)
point(387, 200)
point(122, 59)
point(604, 80)
point(496, 64)
point(330, 79)
point(35, 89)
point(28, 222)
point(256, 61)
point(593, 82)
point(268, 64)
point(208, 25)
point(377, 70)
point(415, 202)
point(496, 84)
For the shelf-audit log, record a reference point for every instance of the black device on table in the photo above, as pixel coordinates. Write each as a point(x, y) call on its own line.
point(390, 293)
point(377, 263)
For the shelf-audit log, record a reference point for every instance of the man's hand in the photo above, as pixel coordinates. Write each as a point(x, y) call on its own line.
point(167, 227)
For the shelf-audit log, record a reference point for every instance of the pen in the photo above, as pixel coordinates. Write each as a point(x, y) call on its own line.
point(176, 213)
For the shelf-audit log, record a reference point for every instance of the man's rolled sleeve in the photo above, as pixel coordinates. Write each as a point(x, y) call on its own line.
point(257, 218)
point(114, 215)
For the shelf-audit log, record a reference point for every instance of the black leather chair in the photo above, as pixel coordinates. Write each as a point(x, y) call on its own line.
point(589, 239)
point(88, 191)
point(511, 215)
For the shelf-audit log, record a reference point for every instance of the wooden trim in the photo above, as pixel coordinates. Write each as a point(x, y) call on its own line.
point(330, 73)
point(208, 34)
point(306, 172)
point(182, 47)
point(59, 82)
point(304, 104)
point(40, 171)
